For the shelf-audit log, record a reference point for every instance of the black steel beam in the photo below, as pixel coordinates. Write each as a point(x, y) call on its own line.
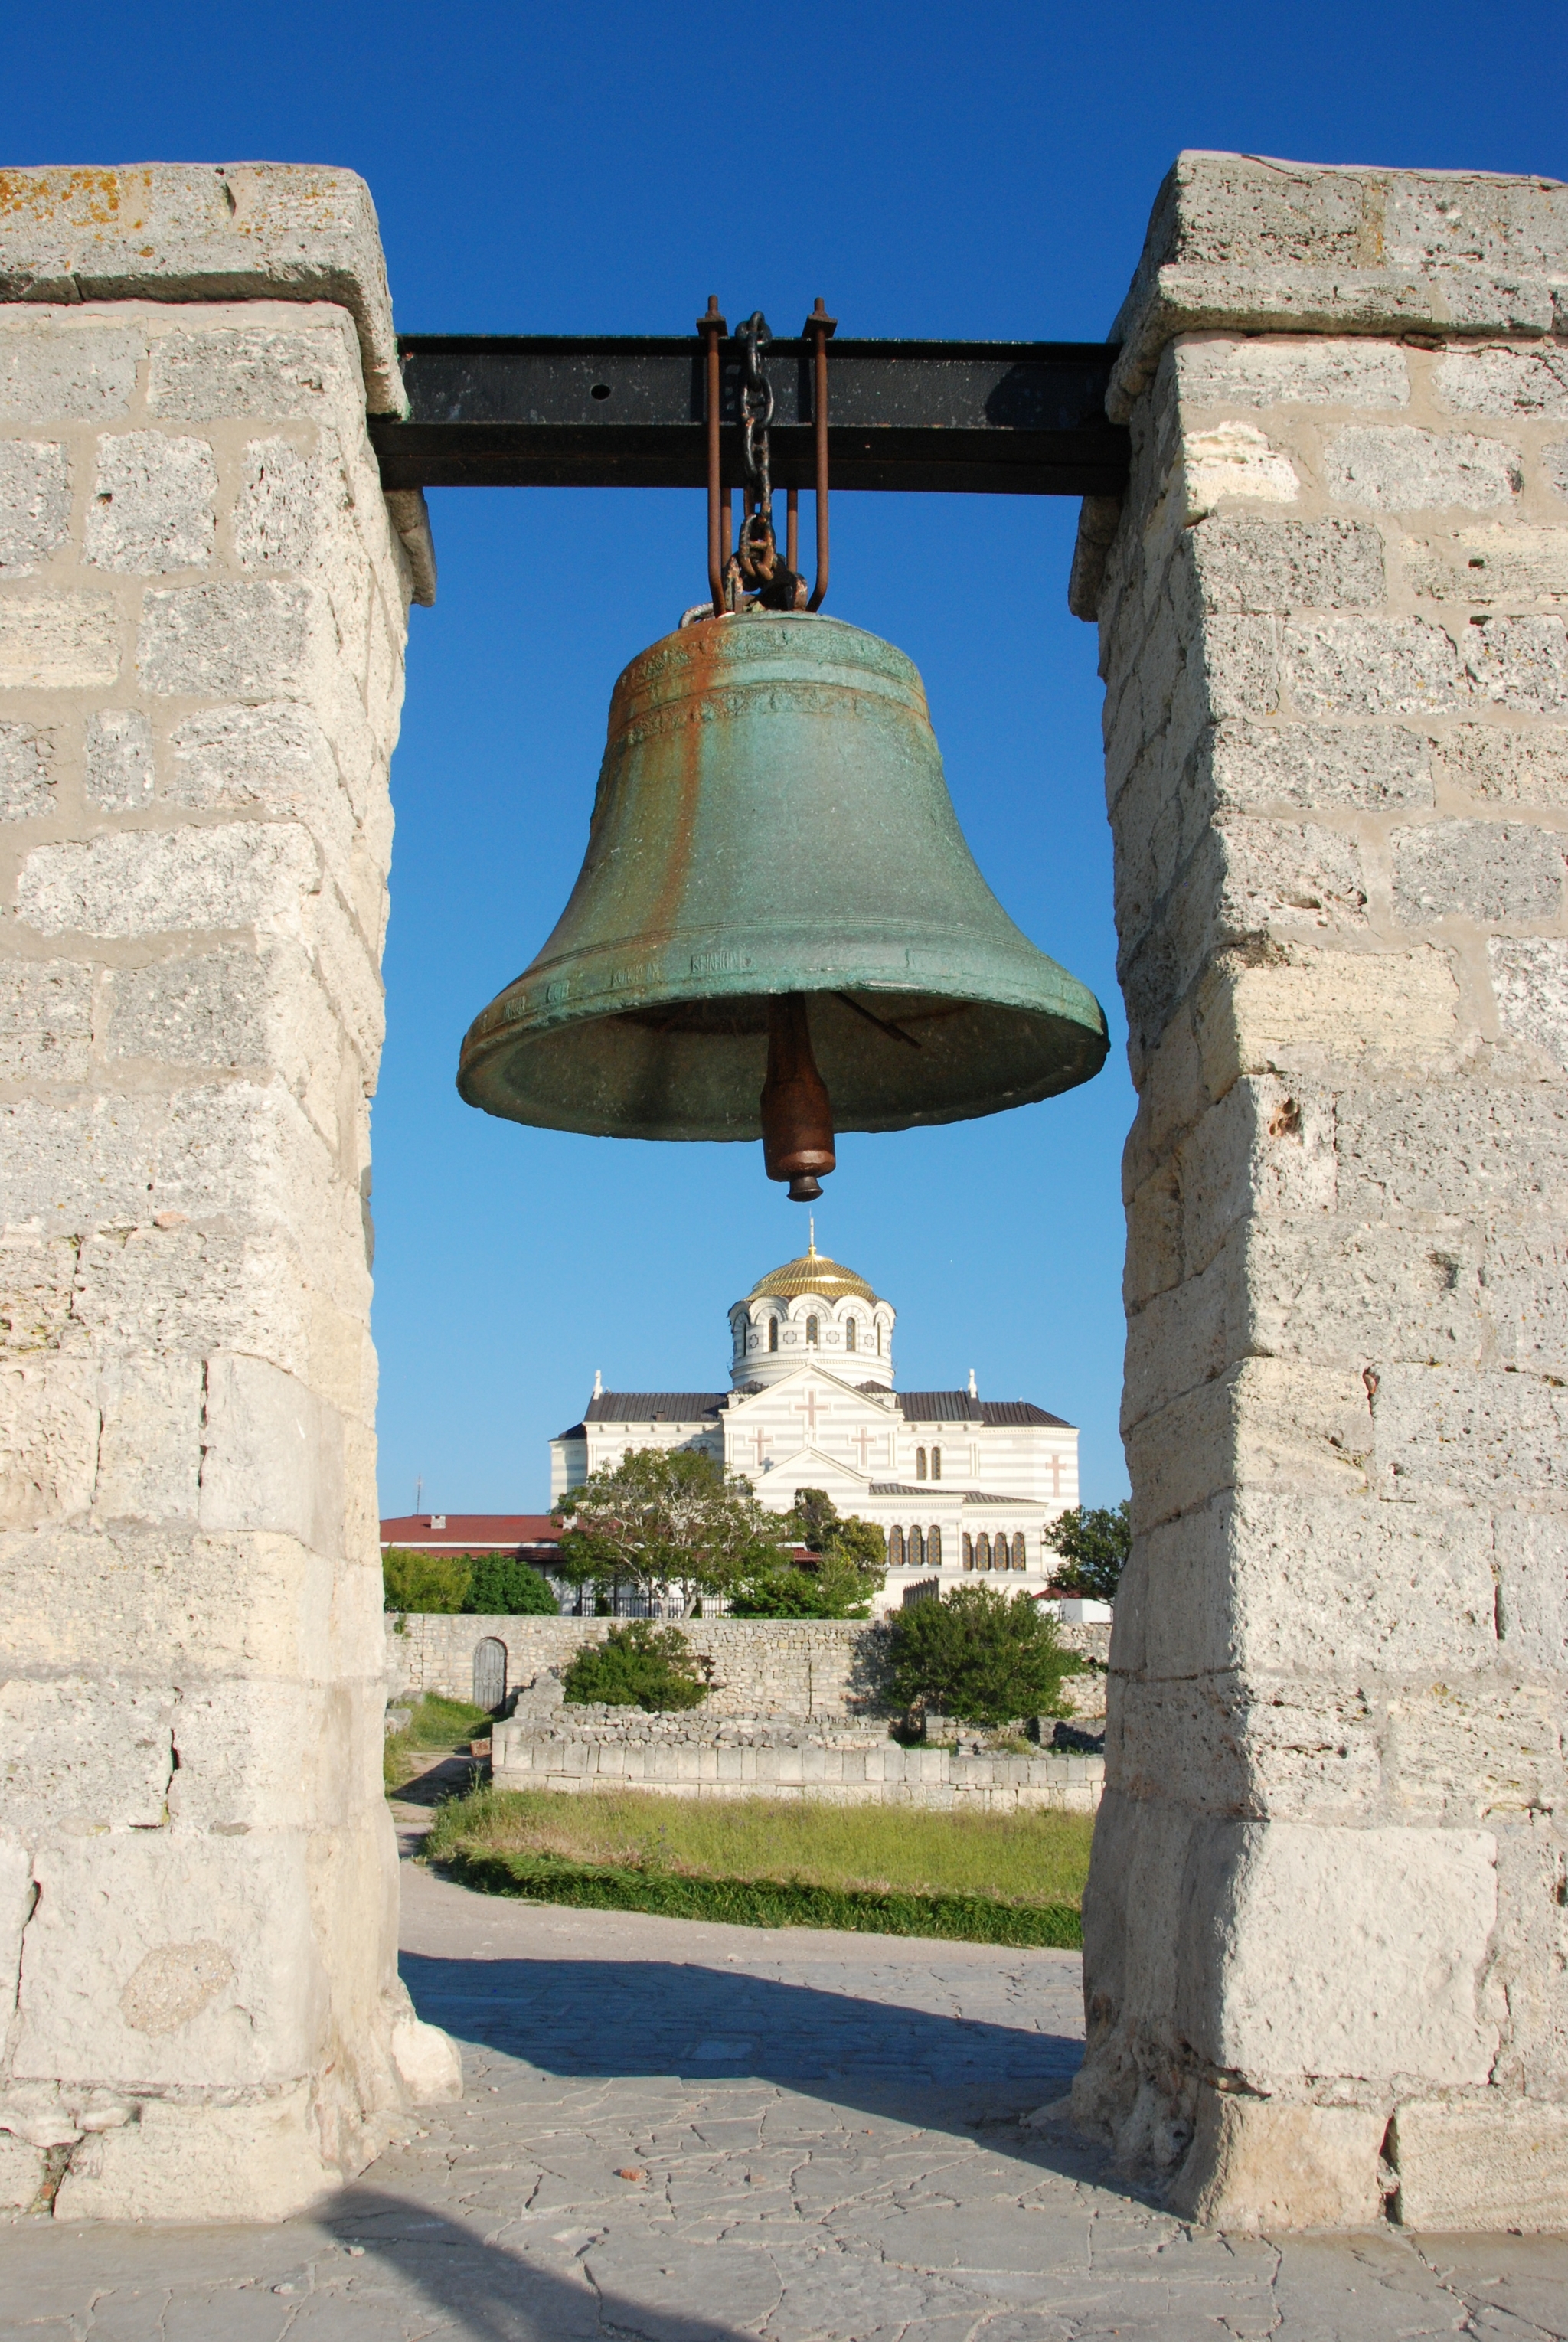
point(1014, 418)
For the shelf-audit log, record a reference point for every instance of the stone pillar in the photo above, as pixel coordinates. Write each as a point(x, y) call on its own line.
point(1326, 1928)
point(203, 606)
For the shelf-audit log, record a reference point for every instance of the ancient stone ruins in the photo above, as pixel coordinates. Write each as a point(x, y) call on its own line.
point(1327, 1929)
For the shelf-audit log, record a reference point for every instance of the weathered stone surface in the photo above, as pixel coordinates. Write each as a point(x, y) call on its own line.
point(190, 1019)
point(1394, 468)
point(1497, 873)
point(1530, 984)
point(1333, 1744)
point(55, 640)
point(1213, 370)
point(1464, 2166)
point(1235, 460)
point(185, 232)
point(56, 365)
point(35, 503)
point(26, 781)
point(151, 509)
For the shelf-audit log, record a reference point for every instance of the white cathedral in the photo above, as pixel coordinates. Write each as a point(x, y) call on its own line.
point(955, 1481)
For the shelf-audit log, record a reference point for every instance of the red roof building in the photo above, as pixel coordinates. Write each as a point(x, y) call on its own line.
point(532, 1535)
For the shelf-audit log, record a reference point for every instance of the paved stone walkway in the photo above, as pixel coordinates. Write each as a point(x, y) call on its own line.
point(823, 2137)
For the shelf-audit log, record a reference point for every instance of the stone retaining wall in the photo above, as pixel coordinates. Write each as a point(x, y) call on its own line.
point(762, 1666)
point(600, 1748)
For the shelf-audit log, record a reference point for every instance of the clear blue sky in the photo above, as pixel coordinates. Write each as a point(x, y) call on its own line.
point(983, 171)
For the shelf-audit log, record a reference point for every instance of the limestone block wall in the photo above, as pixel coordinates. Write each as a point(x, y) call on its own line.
point(1327, 1925)
point(767, 1667)
point(695, 1755)
point(202, 608)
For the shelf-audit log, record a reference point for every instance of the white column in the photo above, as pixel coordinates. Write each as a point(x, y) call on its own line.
point(203, 606)
point(1325, 1927)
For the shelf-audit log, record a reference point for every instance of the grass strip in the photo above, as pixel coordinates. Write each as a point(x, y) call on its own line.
point(767, 1902)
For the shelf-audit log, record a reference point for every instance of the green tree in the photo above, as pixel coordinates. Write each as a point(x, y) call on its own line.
point(638, 1665)
point(846, 1565)
point(505, 1585)
point(424, 1581)
point(981, 1654)
point(665, 1518)
point(1094, 1541)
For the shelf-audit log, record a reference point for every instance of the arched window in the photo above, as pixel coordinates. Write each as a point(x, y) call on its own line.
point(933, 1546)
point(773, 1333)
point(1020, 1558)
point(896, 1548)
point(968, 1550)
point(937, 1463)
point(811, 1329)
point(916, 1550)
point(920, 1463)
point(879, 1341)
point(983, 1552)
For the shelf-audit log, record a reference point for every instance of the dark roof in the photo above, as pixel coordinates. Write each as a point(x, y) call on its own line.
point(648, 1406)
point(940, 1488)
point(469, 1532)
point(957, 1407)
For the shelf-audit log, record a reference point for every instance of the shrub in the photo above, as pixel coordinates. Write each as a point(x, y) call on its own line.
point(848, 1564)
point(506, 1587)
point(424, 1581)
point(1094, 1541)
point(638, 1665)
point(980, 1654)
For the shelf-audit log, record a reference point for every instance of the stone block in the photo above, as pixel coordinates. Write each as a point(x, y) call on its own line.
point(1500, 874)
point(1503, 382)
point(207, 641)
point(1484, 567)
point(1413, 1909)
point(271, 1456)
point(60, 368)
point(27, 788)
point(1313, 765)
point(149, 1439)
point(35, 503)
point(272, 1755)
point(151, 509)
point(147, 1963)
point(46, 1020)
point(278, 511)
point(1519, 662)
point(1255, 565)
point(1374, 666)
point(1528, 765)
point(1459, 1148)
point(207, 1008)
point(55, 640)
point(429, 2063)
point(1256, 2166)
point(1474, 1752)
point(255, 2159)
point(1491, 2161)
point(1234, 459)
point(1530, 985)
point(1290, 371)
point(190, 233)
point(1394, 468)
point(278, 366)
point(23, 2170)
point(1554, 463)
point(1297, 1011)
point(1531, 1555)
point(1292, 873)
point(1265, 1149)
point(1446, 1434)
point(87, 1752)
point(119, 774)
point(48, 1439)
point(1526, 1295)
point(1265, 1422)
point(155, 882)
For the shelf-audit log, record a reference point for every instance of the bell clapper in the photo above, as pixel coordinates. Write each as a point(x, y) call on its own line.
point(796, 1111)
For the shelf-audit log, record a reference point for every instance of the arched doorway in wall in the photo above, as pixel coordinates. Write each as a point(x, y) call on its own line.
point(489, 1672)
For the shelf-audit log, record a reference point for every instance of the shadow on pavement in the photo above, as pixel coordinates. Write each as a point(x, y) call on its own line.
point(492, 2294)
point(626, 2018)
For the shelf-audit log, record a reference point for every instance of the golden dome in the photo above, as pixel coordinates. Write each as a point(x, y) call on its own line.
point(812, 1273)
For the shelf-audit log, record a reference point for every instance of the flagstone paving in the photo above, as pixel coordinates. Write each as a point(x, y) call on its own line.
point(686, 2133)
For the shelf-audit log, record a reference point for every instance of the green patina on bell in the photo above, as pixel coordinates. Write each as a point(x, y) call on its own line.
point(772, 847)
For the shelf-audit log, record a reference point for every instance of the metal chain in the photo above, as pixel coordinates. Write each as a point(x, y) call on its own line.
point(757, 410)
point(757, 564)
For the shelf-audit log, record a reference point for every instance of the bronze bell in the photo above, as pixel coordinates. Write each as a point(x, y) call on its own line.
point(778, 928)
